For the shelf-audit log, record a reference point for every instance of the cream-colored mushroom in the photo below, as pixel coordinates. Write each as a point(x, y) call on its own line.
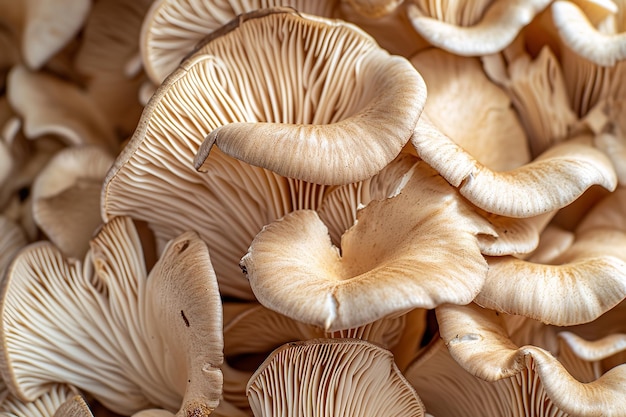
point(580, 284)
point(355, 132)
point(331, 377)
point(471, 28)
point(418, 247)
point(106, 327)
point(552, 181)
point(56, 401)
point(66, 197)
point(173, 28)
point(51, 106)
point(602, 42)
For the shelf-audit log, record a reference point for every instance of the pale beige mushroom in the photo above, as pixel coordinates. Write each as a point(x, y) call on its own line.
point(579, 285)
point(552, 181)
point(106, 327)
point(417, 247)
point(56, 401)
point(598, 36)
point(172, 28)
point(66, 197)
point(154, 180)
point(472, 28)
point(331, 377)
point(49, 105)
point(374, 8)
point(12, 239)
point(354, 132)
point(478, 341)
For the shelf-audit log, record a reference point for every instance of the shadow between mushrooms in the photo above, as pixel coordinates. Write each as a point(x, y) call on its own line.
point(105, 326)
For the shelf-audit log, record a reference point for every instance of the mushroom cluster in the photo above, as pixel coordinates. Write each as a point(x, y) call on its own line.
point(313, 208)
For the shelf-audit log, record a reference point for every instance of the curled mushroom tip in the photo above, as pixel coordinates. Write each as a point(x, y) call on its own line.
point(204, 150)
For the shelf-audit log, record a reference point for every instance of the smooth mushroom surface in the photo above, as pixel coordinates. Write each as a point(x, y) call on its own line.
point(393, 252)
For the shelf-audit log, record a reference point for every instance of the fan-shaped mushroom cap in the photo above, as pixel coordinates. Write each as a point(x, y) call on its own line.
point(583, 282)
point(154, 180)
point(499, 24)
point(552, 181)
point(56, 401)
point(335, 377)
point(417, 248)
point(66, 197)
point(601, 45)
point(477, 340)
point(52, 106)
point(355, 131)
point(172, 28)
point(128, 340)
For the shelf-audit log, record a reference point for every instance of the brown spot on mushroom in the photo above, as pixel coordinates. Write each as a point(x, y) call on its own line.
point(182, 313)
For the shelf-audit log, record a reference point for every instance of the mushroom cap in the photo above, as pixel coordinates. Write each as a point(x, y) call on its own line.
point(105, 327)
point(579, 285)
point(66, 197)
point(330, 378)
point(579, 34)
point(173, 28)
point(477, 341)
point(326, 126)
point(500, 24)
point(418, 247)
point(552, 181)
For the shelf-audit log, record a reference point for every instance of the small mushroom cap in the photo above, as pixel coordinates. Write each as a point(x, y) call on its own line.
point(499, 26)
point(66, 197)
point(417, 248)
point(579, 34)
point(360, 130)
point(552, 181)
point(331, 377)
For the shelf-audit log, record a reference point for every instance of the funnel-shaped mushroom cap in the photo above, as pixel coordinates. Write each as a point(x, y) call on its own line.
point(66, 197)
point(601, 45)
point(417, 248)
point(477, 340)
point(129, 340)
point(172, 28)
point(552, 181)
point(329, 106)
point(500, 23)
point(337, 377)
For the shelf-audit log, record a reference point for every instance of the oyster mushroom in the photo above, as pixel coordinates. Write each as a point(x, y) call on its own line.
point(331, 378)
point(129, 339)
point(418, 247)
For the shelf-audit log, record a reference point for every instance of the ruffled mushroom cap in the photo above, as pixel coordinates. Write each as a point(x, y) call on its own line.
point(173, 28)
point(552, 181)
point(602, 42)
point(154, 180)
point(51, 106)
point(579, 285)
point(335, 377)
point(417, 247)
point(477, 340)
point(325, 125)
point(105, 328)
point(481, 28)
point(66, 197)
